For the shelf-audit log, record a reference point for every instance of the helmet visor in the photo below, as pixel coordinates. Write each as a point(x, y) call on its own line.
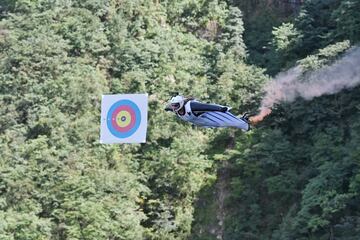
point(175, 106)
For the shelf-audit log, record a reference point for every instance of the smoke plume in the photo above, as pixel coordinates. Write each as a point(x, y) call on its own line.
point(289, 85)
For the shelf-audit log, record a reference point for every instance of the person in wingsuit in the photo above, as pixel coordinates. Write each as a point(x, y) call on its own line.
point(206, 115)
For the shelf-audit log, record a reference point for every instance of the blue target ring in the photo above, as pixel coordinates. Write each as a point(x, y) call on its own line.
point(132, 110)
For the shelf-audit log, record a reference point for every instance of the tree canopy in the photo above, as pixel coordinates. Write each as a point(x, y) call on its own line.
point(295, 176)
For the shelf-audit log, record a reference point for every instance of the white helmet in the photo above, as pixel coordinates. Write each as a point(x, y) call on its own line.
point(177, 102)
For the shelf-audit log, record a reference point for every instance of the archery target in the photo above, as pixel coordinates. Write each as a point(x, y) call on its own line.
point(123, 118)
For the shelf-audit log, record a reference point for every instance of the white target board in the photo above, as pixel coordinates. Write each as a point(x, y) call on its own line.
point(124, 118)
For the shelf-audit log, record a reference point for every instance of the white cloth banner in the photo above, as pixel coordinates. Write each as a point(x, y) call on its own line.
point(124, 118)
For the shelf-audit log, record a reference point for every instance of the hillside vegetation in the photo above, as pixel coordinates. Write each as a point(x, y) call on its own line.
point(295, 176)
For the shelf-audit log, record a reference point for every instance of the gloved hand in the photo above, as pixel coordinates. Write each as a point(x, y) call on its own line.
point(224, 109)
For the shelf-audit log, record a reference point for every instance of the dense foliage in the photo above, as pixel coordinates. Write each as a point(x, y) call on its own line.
point(296, 176)
point(57, 59)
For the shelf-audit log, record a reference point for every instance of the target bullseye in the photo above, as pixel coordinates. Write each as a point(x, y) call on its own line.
point(123, 119)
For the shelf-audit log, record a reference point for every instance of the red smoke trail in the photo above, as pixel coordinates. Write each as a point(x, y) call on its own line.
point(258, 118)
point(291, 84)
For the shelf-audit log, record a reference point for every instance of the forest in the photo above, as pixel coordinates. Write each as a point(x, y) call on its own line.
point(294, 176)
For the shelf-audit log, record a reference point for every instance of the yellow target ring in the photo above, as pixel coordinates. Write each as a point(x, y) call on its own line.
point(123, 119)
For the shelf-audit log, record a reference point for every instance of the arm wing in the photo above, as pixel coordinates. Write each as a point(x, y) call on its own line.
point(197, 106)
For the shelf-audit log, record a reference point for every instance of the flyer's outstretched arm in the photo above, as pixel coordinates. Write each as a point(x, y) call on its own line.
point(197, 106)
